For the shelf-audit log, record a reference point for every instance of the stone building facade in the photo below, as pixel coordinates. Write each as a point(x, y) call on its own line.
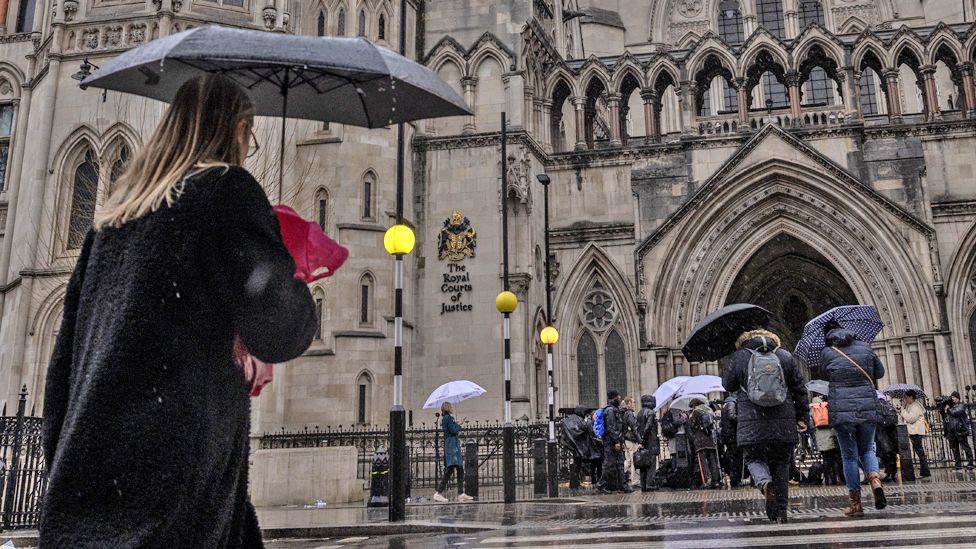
point(798, 154)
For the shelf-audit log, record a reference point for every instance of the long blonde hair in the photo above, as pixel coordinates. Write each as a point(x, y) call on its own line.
point(197, 131)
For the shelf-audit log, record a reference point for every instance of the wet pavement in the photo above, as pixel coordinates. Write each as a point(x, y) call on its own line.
point(934, 512)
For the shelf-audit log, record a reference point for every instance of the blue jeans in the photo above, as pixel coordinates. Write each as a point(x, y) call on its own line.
point(857, 451)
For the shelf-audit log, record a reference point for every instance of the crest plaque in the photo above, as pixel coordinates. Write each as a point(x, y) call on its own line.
point(457, 239)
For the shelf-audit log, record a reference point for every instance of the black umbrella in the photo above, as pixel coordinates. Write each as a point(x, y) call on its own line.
point(714, 336)
point(343, 80)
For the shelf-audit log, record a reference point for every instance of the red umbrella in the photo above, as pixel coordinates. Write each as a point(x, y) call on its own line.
point(316, 255)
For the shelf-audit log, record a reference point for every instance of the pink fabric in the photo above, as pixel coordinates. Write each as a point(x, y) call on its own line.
point(316, 256)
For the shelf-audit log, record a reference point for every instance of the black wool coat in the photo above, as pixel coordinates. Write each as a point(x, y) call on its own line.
point(146, 416)
point(853, 398)
point(758, 424)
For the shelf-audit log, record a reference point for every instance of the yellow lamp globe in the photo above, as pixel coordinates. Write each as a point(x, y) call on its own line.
point(399, 240)
point(506, 302)
point(549, 335)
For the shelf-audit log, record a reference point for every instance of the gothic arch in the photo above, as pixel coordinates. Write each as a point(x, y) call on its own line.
point(777, 196)
point(943, 37)
point(814, 36)
point(488, 49)
point(44, 326)
point(594, 265)
point(13, 76)
point(593, 69)
point(763, 44)
point(558, 75)
point(871, 45)
point(628, 67)
point(960, 294)
point(661, 66)
point(905, 41)
point(711, 46)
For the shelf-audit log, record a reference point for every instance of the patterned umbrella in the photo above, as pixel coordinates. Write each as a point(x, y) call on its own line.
point(862, 320)
point(897, 390)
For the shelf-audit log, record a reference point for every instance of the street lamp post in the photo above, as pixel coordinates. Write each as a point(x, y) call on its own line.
point(399, 241)
point(506, 302)
point(549, 337)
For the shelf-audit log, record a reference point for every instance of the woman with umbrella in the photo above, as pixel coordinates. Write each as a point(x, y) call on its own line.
point(146, 416)
point(912, 414)
point(452, 454)
point(852, 368)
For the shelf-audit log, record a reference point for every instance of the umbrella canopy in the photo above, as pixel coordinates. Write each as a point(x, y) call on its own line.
point(862, 320)
point(453, 392)
point(684, 402)
point(666, 391)
point(343, 80)
point(897, 390)
point(818, 386)
point(703, 384)
point(316, 255)
point(714, 337)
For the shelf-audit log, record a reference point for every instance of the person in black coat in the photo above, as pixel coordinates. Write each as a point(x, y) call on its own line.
point(146, 415)
point(613, 446)
point(955, 421)
point(650, 441)
point(731, 454)
point(852, 368)
point(576, 435)
point(767, 435)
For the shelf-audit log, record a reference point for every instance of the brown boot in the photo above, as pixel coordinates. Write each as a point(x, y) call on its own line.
point(880, 502)
point(855, 509)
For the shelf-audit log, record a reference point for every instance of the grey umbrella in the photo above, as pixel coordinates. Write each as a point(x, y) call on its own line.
point(343, 80)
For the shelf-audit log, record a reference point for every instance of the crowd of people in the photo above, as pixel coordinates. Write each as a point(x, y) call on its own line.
point(758, 434)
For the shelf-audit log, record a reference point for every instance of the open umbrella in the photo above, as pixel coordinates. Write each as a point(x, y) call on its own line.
point(684, 402)
point(702, 384)
point(666, 391)
point(714, 336)
point(818, 386)
point(343, 80)
point(897, 390)
point(862, 320)
point(453, 392)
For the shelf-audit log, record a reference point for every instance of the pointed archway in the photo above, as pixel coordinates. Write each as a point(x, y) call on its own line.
point(793, 281)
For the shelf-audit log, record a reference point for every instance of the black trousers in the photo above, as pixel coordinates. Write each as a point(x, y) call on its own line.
point(613, 469)
point(923, 460)
point(733, 464)
point(647, 475)
point(770, 463)
point(833, 467)
point(708, 462)
point(448, 471)
point(956, 443)
point(576, 471)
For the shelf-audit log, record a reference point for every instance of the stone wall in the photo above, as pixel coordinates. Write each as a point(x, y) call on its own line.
point(300, 476)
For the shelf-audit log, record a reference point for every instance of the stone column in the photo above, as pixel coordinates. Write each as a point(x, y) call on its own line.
point(894, 100)
point(931, 93)
point(896, 351)
point(749, 23)
point(650, 121)
point(916, 364)
point(546, 124)
point(679, 364)
point(689, 110)
point(580, 104)
point(792, 24)
point(468, 83)
point(613, 112)
point(793, 84)
point(853, 88)
point(740, 90)
point(933, 360)
point(968, 88)
point(662, 366)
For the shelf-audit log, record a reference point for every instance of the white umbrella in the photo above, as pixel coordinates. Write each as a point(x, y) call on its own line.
point(703, 384)
point(667, 390)
point(684, 402)
point(453, 392)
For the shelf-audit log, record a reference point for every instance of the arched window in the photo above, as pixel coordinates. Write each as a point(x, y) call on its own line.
point(381, 28)
point(84, 188)
point(319, 298)
point(364, 388)
point(819, 88)
point(773, 90)
point(369, 188)
point(320, 27)
point(811, 11)
point(6, 130)
point(771, 17)
point(869, 93)
point(365, 297)
point(972, 332)
point(341, 23)
point(730, 26)
point(589, 381)
point(615, 358)
point(25, 15)
point(362, 23)
point(322, 209)
point(118, 167)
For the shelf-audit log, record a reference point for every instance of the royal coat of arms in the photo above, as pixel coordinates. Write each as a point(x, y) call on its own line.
point(457, 239)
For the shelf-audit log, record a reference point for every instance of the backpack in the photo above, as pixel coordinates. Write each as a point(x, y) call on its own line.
point(766, 385)
point(702, 422)
point(598, 423)
point(889, 416)
point(820, 416)
point(669, 427)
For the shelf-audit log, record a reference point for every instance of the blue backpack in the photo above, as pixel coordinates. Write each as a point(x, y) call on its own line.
point(598, 423)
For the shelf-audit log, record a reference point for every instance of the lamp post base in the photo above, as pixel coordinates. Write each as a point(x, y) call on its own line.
point(398, 464)
point(508, 462)
point(552, 451)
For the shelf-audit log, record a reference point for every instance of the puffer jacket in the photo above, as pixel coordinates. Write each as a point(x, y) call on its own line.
point(759, 424)
point(853, 397)
point(647, 423)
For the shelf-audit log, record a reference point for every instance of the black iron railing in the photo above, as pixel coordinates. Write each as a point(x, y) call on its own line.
point(22, 474)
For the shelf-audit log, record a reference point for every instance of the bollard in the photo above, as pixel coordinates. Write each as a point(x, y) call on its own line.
point(905, 454)
point(552, 452)
point(471, 469)
point(539, 467)
point(379, 479)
